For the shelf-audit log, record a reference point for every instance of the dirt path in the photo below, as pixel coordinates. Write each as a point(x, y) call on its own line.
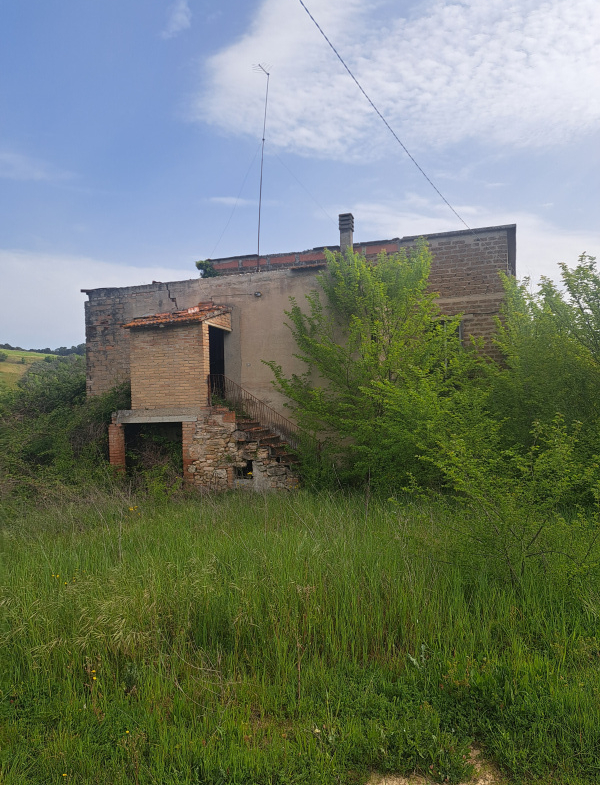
point(485, 774)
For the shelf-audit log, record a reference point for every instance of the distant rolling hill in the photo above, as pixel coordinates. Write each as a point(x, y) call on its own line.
point(15, 365)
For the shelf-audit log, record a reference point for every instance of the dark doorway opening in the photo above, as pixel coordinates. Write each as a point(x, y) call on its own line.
point(216, 350)
point(152, 445)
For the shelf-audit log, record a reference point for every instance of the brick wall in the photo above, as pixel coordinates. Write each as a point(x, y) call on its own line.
point(464, 271)
point(116, 446)
point(107, 344)
point(188, 431)
point(169, 366)
point(223, 321)
point(493, 246)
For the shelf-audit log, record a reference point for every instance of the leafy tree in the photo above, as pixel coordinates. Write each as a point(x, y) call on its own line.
point(47, 385)
point(378, 355)
point(514, 499)
point(549, 341)
point(206, 268)
point(577, 309)
point(526, 446)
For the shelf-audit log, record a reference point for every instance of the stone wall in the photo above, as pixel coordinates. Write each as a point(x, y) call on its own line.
point(216, 455)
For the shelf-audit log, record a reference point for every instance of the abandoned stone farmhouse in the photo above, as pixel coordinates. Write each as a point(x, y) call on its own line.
point(193, 350)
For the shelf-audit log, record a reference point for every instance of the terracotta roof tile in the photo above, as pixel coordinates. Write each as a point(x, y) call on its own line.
point(197, 313)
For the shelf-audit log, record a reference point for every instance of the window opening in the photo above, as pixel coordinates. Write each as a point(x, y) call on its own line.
point(244, 472)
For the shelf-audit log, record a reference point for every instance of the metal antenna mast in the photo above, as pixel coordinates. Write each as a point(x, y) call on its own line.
point(258, 68)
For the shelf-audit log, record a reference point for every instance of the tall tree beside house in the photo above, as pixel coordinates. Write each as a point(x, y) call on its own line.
point(379, 357)
point(550, 341)
point(525, 457)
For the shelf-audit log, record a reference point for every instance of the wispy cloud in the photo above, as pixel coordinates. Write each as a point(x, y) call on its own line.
point(15, 166)
point(512, 72)
point(48, 286)
point(233, 201)
point(179, 19)
point(541, 244)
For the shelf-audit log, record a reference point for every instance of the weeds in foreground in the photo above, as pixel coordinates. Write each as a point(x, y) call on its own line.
point(286, 640)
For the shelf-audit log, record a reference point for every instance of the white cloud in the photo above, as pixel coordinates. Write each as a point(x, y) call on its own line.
point(516, 72)
point(41, 303)
point(233, 201)
point(541, 245)
point(15, 166)
point(180, 18)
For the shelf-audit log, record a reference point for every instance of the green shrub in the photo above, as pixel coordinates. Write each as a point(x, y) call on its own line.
point(51, 438)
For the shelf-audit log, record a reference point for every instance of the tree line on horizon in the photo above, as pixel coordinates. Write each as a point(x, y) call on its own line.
point(62, 351)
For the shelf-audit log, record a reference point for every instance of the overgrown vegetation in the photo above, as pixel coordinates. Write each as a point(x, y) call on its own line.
point(380, 360)
point(402, 404)
point(442, 588)
point(53, 442)
point(296, 639)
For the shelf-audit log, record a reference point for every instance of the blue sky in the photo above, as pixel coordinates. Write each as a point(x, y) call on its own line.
point(130, 135)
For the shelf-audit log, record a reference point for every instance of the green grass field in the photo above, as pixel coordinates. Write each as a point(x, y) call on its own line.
point(287, 639)
point(15, 366)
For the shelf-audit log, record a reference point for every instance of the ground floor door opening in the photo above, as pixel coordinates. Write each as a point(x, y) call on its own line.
point(216, 350)
point(154, 446)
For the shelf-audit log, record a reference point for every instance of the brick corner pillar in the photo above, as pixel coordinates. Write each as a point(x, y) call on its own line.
point(188, 431)
point(116, 447)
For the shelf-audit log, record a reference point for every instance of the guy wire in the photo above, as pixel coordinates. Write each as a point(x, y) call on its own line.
point(387, 125)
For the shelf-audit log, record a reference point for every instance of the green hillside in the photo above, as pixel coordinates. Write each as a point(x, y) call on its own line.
point(15, 365)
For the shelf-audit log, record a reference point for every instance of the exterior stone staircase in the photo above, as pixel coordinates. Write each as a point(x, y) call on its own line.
point(254, 431)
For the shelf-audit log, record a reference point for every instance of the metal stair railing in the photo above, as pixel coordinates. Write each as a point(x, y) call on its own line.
point(222, 390)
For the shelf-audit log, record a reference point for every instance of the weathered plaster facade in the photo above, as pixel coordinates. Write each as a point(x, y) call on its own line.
point(167, 337)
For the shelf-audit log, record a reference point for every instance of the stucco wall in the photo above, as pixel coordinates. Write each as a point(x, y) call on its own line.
point(464, 271)
point(257, 331)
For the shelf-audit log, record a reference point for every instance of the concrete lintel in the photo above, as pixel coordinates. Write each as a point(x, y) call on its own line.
point(130, 416)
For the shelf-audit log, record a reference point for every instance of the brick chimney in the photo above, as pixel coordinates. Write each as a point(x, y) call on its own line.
point(346, 231)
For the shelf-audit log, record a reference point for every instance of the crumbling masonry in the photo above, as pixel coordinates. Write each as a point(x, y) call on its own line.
point(193, 350)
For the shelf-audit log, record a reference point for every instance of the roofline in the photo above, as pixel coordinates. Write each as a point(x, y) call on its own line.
point(509, 228)
point(476, 231)
point(408, 237)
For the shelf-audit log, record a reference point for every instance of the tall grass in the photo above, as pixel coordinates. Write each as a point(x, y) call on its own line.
point(287, 639)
